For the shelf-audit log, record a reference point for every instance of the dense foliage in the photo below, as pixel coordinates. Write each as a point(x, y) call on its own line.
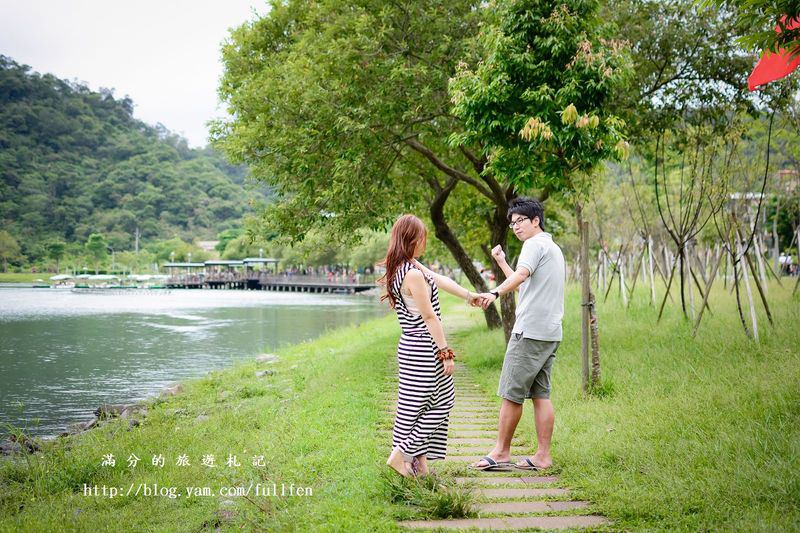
point(75, 162)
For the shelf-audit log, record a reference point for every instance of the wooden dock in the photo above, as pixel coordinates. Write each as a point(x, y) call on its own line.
point(271, 282)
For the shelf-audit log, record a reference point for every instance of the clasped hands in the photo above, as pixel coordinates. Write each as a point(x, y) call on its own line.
point(482, 300)
point(485, 299)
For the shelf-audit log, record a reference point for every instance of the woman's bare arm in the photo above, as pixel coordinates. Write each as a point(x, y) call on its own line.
point(447, 284)
point(418, 287)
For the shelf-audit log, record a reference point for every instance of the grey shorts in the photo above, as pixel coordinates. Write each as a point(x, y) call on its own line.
point(526, 369)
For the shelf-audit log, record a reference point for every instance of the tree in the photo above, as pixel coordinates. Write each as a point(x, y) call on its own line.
point(342, 108)
point(74, 161)
point(226, 236)
point(371, 250)
point(687, 66)
point(55, 251)
point(96, 247)
point(537, 100)
point(177, 250)
point(9, 248)
point(757, 20)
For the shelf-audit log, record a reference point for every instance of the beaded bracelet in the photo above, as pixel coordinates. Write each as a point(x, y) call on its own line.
point(445, 354)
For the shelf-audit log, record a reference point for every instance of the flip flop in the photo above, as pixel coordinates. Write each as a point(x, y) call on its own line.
point(529, 466)
point(492, 465)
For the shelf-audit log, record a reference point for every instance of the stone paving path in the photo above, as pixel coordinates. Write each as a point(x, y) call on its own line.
point(506, 500)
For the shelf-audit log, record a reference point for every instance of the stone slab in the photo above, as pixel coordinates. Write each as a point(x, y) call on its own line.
point(471, 441)
point(507, 480)
point(467, 433)
point(506, 523)
point(520, 493)
point(529, 507)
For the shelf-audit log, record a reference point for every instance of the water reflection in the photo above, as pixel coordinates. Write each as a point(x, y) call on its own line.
point(62, 354)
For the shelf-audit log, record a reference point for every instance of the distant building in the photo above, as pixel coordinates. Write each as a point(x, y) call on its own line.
point(207, 245)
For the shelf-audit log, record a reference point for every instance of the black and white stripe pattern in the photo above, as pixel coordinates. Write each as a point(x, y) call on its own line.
point(426, 395)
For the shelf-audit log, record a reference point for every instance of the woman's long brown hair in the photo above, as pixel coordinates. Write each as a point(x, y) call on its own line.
point(407, 233)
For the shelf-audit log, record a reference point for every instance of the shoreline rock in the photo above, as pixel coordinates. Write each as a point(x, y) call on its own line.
point(172, 391)
point(267, 358)
point(12, 446)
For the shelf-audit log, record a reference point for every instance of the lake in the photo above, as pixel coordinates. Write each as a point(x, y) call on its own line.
point(63, 353)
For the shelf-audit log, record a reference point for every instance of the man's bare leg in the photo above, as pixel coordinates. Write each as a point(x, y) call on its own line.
point(510, 413)
point(544, 417)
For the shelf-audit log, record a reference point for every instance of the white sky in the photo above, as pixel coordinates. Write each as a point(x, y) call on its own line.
point(164, 54)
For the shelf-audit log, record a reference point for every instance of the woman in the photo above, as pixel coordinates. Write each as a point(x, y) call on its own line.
point(425, 362)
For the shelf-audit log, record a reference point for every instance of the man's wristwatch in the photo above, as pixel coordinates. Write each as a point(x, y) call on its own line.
point(496, 293)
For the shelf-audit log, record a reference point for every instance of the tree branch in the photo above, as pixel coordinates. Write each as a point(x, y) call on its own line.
point(447, 169)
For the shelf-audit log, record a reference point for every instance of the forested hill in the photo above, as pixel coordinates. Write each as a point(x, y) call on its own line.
point(74, 162)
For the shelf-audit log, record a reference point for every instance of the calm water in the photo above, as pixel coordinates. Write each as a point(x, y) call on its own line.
point(62, 353)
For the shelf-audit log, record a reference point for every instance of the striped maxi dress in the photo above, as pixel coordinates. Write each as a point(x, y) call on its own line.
point(426, 395)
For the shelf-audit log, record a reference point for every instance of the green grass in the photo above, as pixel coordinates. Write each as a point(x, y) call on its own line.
point(690, 434)
point(317, 421)
point(687, 434)
point(435, 496)
point(24, 277)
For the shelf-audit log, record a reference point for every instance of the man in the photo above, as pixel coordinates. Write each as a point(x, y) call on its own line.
point(535, 338)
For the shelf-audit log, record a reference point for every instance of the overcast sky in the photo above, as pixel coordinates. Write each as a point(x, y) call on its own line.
point(164, 54)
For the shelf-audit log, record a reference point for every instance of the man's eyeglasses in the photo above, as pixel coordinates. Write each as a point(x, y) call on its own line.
point(515, 222)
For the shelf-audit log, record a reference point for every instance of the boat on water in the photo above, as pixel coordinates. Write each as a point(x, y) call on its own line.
point(103, 283)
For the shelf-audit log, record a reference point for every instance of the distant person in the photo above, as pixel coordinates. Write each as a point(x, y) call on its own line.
point(426, 392)
point(531, 351)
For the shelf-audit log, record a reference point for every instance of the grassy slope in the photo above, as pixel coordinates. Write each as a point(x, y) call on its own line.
point(696, 435)
point(24, 277)
point(315, 421)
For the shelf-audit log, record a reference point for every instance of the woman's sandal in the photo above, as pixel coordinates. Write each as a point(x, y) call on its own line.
point(409, 467)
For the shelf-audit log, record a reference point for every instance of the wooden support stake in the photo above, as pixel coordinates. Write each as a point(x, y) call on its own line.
point(797, 283)
point(705, 295)
point(749, 292)
point(650, 261)
point(760, 261)
point(690, 272)
point(669, 284)
point(639, 262)
point(761, 290)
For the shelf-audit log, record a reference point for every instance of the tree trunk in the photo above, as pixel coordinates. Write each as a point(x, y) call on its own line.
point(589, 334)
point(735, 286)
point(688, 256)
point(776, 240)
point(446, 235)
point(682, 272)
point(669, 286)
point(499, 235)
